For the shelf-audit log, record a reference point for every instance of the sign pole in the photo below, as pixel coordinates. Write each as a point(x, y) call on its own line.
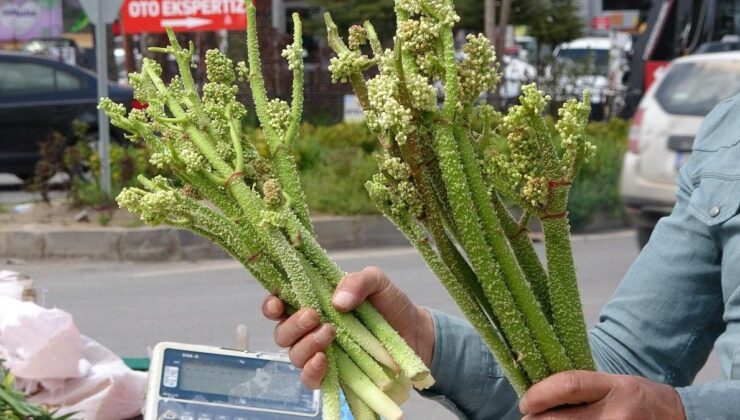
point(101, 57)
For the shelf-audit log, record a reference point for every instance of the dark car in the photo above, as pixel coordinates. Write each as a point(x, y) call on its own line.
point(39, 96)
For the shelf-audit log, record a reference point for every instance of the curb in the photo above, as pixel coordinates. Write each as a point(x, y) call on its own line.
point(152, 244)
point(34, 242)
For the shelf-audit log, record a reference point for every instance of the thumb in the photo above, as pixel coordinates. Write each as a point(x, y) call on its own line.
point(370, 283)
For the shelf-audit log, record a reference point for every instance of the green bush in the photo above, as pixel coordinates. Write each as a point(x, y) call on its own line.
point(596, 188)
point(335, 162)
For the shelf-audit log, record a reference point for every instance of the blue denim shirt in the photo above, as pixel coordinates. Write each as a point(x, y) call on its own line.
point(679, 298)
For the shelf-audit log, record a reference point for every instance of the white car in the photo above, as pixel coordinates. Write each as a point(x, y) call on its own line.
point(594, 63)
point(663, 130)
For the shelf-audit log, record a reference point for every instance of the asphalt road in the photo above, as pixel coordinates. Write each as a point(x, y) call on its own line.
point(130, 307)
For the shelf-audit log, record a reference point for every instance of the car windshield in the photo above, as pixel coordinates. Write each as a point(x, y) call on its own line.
point(685, 89)
point(592, 61)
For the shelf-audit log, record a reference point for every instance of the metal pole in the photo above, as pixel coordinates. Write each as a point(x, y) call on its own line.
point(503, 24)
point(101, 57)
point(490, 20)
point(278, 16)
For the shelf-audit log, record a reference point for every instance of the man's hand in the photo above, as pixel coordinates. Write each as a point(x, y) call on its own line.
point(577, 395)
point(308, 339)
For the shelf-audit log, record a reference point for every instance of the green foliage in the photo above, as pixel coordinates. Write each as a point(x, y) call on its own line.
point(334, 163)
point(550, 21)
point(596, 188)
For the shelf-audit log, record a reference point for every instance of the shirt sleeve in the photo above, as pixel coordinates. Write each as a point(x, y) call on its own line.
point(716, 400)
point(468, 381)
point(666, 313)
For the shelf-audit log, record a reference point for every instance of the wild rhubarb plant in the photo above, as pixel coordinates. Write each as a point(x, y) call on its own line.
point(253, 206)
point(447, 189)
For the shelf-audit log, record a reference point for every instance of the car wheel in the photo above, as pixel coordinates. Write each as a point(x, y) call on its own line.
point(597, 112)
point(643, 235)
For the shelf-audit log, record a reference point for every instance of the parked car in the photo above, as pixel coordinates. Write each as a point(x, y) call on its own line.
point(598, 64)
point(39, 96)
point(663, 130)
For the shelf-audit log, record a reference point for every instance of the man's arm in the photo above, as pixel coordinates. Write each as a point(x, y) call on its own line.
point(469, 382)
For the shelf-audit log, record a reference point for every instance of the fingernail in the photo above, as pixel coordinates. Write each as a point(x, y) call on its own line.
point(324, 335)
point(272, 307)
point(316, 362)
point(344, 299)
point(306, 320)
point(523, 406)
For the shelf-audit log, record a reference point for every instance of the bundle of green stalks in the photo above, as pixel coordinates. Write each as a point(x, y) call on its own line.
point(253, 207)
point(449, 172)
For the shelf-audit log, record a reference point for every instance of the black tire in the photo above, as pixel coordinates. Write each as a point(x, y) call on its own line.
point(597, 112)
point(643, 235)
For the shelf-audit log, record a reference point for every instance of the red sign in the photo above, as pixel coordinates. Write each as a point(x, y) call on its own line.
point(152, 16)
point(601, 23)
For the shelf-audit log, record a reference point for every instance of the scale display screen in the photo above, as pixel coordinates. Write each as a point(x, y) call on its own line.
point(203, 383)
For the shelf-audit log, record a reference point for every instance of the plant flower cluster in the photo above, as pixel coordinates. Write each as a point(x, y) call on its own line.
point(444, 182)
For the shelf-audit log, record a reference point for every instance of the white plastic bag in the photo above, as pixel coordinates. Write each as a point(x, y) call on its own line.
point(57, 366)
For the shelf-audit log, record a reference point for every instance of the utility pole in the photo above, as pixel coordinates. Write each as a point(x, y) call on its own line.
point(503, 26)
point(490, 20)
point(278, 16)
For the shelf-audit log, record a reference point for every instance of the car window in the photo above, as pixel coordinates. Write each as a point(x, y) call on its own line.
point(31, 78)
point(25, 78)
point(684, 89)
point(66, 81)
point(588, 60)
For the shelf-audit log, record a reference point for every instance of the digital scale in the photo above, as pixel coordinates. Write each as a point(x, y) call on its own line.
point(193, 382)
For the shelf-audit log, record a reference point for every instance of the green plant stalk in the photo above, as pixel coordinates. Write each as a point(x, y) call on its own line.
point(552, 350)
point(304, 288)
point(409, 362)
point(282, 158)
point(463, 297)
point(567, 311)
point(413, 154)
point(296, 106)
point(331, 388)
point(526, 256)
point(355, 380)
point(397, 393)
point(238, 243)
point(367, 352)
point(512, 323)
point(247, 200)
point(360, 410)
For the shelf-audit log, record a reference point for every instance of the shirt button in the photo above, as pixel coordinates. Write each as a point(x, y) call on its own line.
point(714, 212)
